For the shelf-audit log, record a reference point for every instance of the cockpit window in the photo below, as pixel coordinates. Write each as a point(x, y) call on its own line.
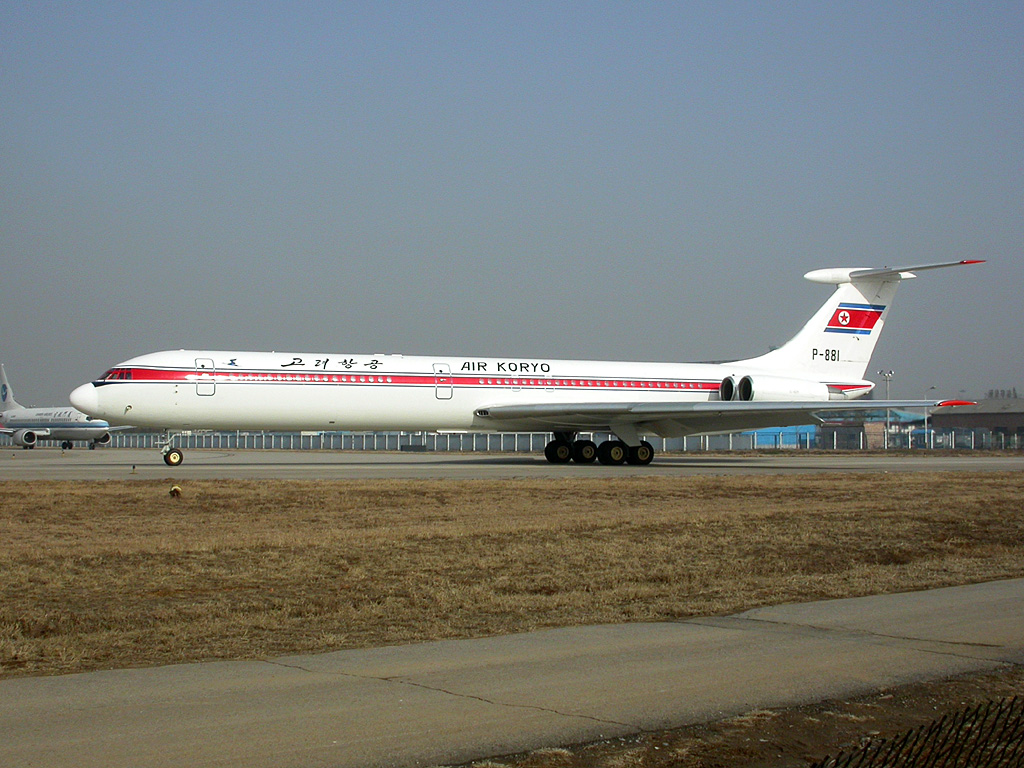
point(117, 374)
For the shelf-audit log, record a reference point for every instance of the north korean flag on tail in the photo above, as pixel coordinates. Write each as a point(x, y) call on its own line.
point(854, 318)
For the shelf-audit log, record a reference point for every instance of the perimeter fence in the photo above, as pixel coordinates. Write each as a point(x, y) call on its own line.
point(534, 442)
point(990, 735)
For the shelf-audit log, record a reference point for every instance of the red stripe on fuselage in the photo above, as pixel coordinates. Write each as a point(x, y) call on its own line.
point(190, 376)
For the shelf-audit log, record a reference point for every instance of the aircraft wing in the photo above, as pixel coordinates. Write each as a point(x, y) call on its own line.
point(40, 432)
point(669, 419)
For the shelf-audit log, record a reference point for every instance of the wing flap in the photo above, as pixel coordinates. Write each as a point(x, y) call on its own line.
point(672, 419)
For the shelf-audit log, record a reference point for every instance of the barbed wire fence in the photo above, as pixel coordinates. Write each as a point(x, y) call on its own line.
point(990, 735)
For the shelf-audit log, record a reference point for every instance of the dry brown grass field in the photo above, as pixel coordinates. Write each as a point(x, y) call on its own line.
point(115, 574)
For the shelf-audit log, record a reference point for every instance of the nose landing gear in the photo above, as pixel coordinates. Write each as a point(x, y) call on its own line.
point(172, 456)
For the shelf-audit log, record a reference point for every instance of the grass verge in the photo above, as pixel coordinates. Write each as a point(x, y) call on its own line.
point(116, 574)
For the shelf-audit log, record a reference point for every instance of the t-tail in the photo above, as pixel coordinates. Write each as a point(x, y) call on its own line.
point(833, 350)
point(7, 401)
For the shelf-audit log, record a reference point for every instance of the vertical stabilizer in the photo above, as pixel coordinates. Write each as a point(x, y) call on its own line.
point(836, 344)
point(7, 401)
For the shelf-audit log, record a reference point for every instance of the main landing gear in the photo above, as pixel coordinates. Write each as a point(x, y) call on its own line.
point(565, 448)
point(67, 445)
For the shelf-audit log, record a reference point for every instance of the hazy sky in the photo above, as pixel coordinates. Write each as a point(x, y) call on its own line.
point(634, 180)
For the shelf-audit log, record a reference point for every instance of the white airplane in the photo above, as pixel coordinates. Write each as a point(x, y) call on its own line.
point(27, 425)
point(820, 371)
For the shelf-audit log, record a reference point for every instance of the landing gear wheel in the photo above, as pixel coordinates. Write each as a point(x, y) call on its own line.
point(584, 451)
point(612, 452)
point(558, 451)
point(173, 457)
point(642, 454)
point(66, 446)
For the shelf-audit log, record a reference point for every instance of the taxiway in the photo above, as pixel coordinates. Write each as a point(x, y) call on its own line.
point(118, 464)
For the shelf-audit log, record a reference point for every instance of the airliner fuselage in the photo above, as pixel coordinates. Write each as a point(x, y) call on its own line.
point(324, 391)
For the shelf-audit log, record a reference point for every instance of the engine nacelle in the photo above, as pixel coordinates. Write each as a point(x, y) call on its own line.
point(772, 389)
point(103, 439)
point(24, 437)
point(727, 390)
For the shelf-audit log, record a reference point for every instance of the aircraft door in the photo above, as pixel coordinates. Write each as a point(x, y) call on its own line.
point(206, 383)
point(442, 381)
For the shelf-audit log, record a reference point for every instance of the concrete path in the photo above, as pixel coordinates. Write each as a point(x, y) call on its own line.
point(450, 702)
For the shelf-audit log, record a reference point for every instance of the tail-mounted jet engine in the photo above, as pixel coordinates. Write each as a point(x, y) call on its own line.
point(772, 389)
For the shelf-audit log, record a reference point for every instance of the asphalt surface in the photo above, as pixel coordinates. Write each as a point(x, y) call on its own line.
point(454, 701)
point(118, 464)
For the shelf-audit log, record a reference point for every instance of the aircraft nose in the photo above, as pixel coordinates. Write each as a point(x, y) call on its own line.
point(86, 399)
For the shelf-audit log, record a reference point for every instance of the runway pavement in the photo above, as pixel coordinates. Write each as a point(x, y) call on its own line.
point(454, 701)
point(117, 464)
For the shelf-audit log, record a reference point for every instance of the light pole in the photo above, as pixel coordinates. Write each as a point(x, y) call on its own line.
point(887, 375)
point(927, 433)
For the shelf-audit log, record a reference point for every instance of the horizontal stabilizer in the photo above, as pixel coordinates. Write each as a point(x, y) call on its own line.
point(841, 275)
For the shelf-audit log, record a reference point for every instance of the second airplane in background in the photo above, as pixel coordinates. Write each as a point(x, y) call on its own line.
point(818, 372)
point(27, 426)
